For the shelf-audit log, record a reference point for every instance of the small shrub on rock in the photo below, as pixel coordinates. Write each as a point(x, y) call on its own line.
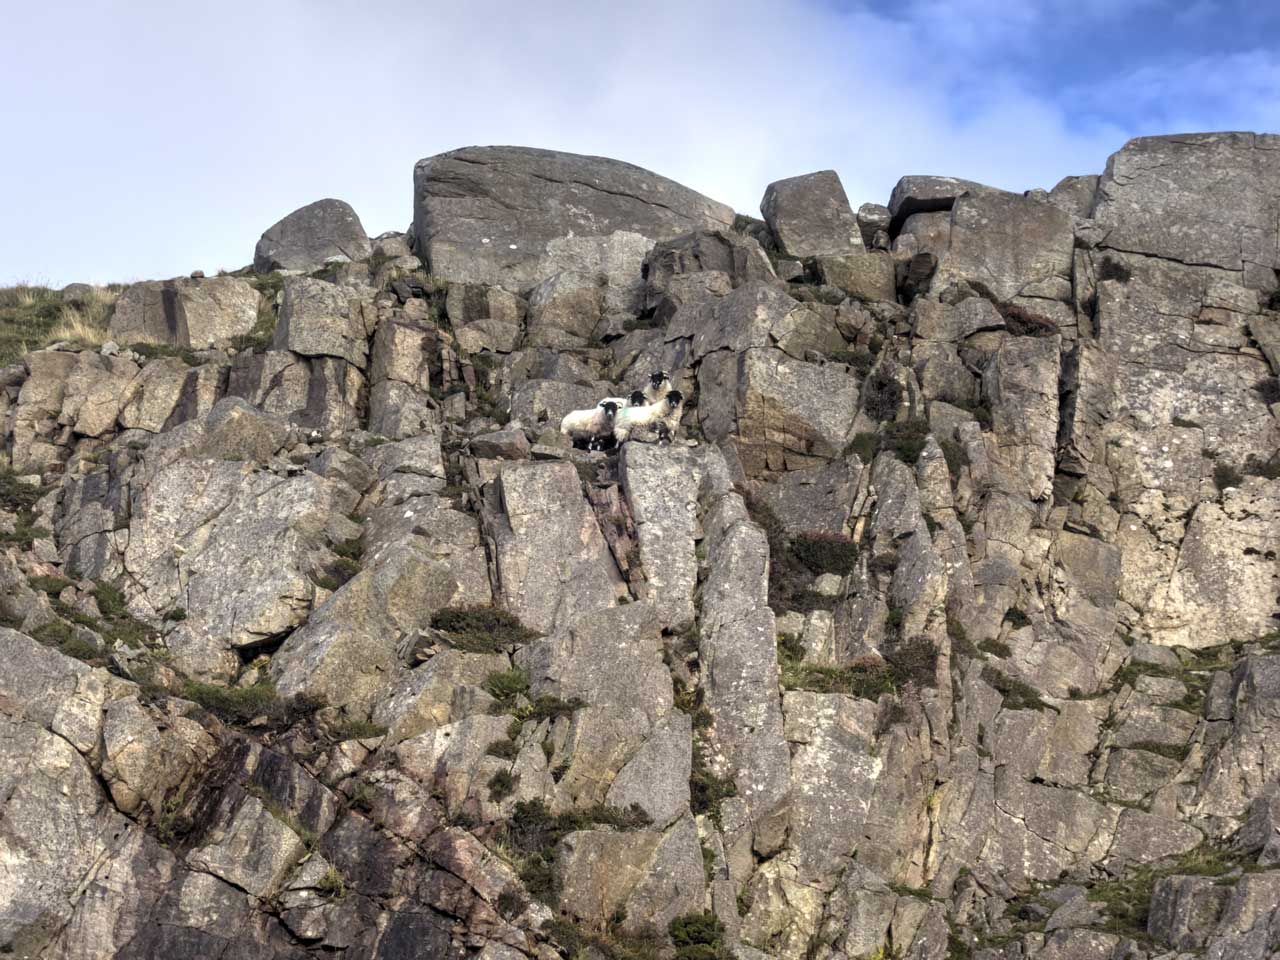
point(864, 445)
point(506, 685)
point(1021, 322)
point(1110, 269)
point(1017, 695)
point(882, 395)
point(707, 790)
point(502, 785)
point(698, 936)
point(481, 629)
point(244, 705)
point(906, 439)
point(825, 552)
point(1225, 475)
point(1268, 388)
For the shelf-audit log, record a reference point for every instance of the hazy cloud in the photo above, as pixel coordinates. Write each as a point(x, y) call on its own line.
point(149, 139)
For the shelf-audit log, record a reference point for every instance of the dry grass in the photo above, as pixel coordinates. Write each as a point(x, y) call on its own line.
point(33, 316)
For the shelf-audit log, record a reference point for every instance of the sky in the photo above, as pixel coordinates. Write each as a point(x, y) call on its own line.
point(147, 139)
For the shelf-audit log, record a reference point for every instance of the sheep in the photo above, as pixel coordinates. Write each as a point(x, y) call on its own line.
point(588, 426)
point(657, 387)
point(662, 417)
point(636, 399)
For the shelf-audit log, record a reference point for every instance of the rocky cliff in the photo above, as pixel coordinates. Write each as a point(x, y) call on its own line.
point(946, 626)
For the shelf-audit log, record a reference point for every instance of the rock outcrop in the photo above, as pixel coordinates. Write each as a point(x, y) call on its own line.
point(944, 625)
point(312, 236)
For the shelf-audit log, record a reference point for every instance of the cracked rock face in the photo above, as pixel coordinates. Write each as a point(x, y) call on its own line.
point(944, 625)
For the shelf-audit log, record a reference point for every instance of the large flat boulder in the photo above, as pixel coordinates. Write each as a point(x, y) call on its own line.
point(514, 216)
point(186, 312)
point(310, 236)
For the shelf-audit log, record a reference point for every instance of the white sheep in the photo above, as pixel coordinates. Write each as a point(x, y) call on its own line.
point(662, 417)
point(589, 426)
point(657, 387)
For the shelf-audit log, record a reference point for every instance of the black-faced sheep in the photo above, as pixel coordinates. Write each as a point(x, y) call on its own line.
point(585, 427)
point(657, 387)
point(662, 417)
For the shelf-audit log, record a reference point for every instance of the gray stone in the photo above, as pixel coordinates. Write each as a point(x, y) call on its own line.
point(1205, 198)
point(810, 216)
point(185, 313)
point(319, 319)
point(514, 216)
point(873, 218)
point(552, 561)
point(310, 236)
point(1010, 245)
point(926, 194)
point(864, 275)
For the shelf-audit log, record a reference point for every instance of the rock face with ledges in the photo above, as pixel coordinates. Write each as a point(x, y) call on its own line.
point(941, 624)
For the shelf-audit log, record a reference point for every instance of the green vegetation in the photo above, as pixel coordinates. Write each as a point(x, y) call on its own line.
point(20, 498)
point(825, 552)
point(505, 686)
point(577, 940)
point(860, 360)
point(1017, 695)
point(244, 705)
point(906, 439)
point(881, 395)
point(263, 332)
point(354, 729)
point(64, 638)
point(707, 790)
point(698, 936)
point(1109, 269)
point(481, 629)
point(52, 586)
point(1016, 618)
point(502, 785)
point(864, 445)
point(1126, 900)
point(979, 411)
point(690, 700)
point(534, 833)
point(868, 678)
point(332, 886)
point(790, 573)
point(503, 749)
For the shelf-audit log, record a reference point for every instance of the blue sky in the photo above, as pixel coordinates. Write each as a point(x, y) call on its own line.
point(148, 139)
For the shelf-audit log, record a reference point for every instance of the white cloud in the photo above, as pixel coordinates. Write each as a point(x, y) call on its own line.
point(160, 138)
